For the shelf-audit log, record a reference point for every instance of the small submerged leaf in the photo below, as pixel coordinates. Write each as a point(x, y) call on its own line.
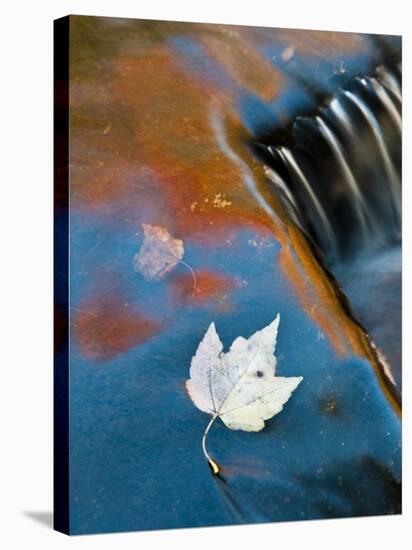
point(159, 253)
point(240, 386)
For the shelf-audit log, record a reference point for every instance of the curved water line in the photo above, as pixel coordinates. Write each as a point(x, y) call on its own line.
point(215, 119)
point(385, 99)
point(359, 203)
point(393, 178)
point(290, 161)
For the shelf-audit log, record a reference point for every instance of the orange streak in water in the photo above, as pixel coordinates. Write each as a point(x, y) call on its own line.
point(105, 327)
point(144, 110)
point(209, 286)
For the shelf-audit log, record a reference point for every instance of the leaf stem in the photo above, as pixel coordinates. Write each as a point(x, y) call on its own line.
point(213, 465)
point(192, 272)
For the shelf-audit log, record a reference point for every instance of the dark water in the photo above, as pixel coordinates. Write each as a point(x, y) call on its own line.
point(162, 115)
point(340, 182)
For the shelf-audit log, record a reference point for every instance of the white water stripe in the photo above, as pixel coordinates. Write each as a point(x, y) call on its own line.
point(358, 202)
point(390, 81)
point(386, 101)
point(393, 178)
point(290, 162)
point(279, 182)
point(337, 108)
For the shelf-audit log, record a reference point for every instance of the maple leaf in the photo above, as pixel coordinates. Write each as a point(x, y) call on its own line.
point(159, 254)
point(240, 386)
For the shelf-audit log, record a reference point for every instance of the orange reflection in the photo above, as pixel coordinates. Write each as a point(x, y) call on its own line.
point(146, 148)
point(209, 286)
point(106, 326)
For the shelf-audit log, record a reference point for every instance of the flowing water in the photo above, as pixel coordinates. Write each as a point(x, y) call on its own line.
point(340, 182)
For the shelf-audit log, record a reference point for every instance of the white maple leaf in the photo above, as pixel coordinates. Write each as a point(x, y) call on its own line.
point(240, 386)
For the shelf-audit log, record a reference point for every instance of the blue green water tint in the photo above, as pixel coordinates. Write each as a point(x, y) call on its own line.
point(136, 461)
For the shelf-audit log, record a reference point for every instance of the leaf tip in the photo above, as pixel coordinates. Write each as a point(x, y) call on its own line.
point(212, 328)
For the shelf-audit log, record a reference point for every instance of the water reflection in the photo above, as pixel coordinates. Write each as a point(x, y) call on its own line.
point(163, 115)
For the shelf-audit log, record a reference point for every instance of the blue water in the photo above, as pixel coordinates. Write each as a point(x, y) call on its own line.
point(136, 459)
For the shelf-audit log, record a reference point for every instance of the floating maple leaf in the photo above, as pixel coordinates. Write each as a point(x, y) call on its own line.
point(159, 254)
point(238, 386)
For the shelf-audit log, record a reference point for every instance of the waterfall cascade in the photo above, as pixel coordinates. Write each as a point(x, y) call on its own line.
point(340, 181)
